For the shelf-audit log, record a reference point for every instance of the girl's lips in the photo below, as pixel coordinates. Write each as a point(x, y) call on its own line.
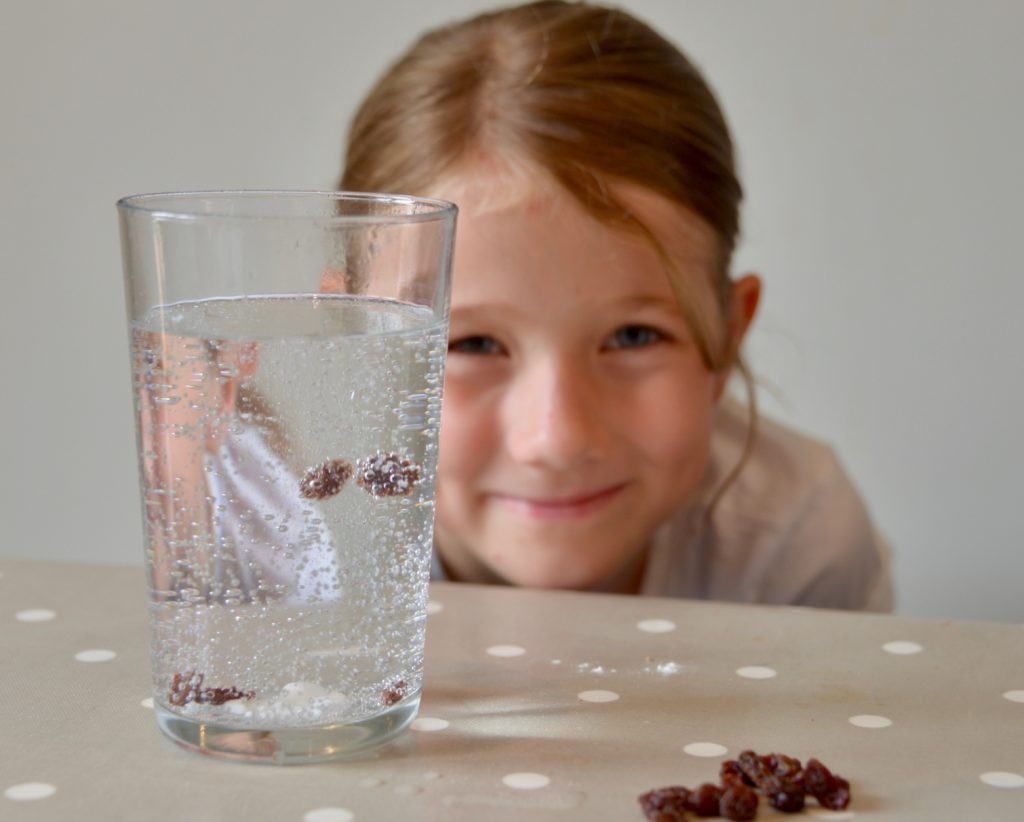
point(565, 508)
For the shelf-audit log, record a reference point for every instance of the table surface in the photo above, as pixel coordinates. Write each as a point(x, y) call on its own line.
point(538, 705)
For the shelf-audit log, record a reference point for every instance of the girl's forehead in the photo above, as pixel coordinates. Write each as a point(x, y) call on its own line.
point(493, 183)
point(518, 199)
point(490, 185)
point(540, 242)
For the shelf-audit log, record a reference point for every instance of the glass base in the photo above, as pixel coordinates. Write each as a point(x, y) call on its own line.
point(288, 746)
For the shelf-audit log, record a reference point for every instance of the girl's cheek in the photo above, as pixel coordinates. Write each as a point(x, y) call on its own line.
point(467, 434)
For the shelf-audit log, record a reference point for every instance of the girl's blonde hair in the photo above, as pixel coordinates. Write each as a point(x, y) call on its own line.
point(587, 93)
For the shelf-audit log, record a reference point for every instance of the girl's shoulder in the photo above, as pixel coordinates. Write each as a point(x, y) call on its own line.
point(783, 471)
point(790, 528)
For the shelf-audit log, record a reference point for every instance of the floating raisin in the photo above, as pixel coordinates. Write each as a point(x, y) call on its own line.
point(387, 475)
point(325, 480)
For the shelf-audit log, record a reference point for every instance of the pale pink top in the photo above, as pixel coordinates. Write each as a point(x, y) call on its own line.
point(791, 529)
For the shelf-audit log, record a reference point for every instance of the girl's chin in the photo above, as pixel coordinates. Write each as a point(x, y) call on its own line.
point(575, 575)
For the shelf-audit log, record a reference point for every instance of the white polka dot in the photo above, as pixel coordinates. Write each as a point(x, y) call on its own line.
point(95, 655)
point(1002, 779)
point(147, 702)
point(825, 813)
point(429, 723)
point(902, 647)
point(35, 615)
point(328, 815)
point(656, 626)
point(28, 791)
point(434, 607)
point(756, 672)
point(506, 650)
point(526, 781)
point(1014, 696)
point(870, 721)
point(705, 749)
point(598, 696)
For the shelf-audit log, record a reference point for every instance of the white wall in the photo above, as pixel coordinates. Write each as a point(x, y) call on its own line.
point(880, 143)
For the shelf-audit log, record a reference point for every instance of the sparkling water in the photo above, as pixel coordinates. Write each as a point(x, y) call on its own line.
point(288, 450)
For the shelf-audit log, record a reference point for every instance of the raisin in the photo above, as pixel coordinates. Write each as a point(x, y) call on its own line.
point(325, 480)
point(784, 766)
point(784, 795)
point(738, 802)
point(830, 790)
point(704, 800)
point(396, 693)
point(184, 688)
point(784, 782)
point(838, 798)
point(387, 475)
point(188, 687)
point(754, 767)
point(730, 773)
point(669, 803)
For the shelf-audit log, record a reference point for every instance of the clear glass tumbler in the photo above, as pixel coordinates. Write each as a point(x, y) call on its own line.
point(287, 361)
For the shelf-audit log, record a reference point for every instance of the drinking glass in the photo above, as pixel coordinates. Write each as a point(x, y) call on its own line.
point(287, 353)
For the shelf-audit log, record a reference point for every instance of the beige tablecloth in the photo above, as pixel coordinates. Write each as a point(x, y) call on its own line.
point(536, 705)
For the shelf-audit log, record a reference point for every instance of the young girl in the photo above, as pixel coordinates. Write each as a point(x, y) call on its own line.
point(586, 440)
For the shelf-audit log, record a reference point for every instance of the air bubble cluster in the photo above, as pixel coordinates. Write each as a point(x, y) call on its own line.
point(388, 475)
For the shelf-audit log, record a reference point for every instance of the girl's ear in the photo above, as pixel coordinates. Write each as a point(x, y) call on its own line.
point(746, 295)
point(743, 301)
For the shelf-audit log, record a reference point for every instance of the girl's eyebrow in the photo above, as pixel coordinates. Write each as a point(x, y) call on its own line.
point(507, 308)
point(649, 300)
point(485, 306)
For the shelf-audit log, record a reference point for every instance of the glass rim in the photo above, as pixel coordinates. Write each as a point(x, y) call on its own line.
point(160, 205)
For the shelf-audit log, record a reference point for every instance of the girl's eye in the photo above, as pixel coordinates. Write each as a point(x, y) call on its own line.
point(478, 345)
point(634, 336)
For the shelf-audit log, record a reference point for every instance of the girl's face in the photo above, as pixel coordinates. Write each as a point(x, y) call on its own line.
point(577, 407)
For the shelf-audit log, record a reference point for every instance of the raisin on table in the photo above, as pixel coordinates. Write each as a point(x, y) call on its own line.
point(704, 801)
point(730, 773)
point(738, 802)
point(830, 790)
point(665, 804)
point(777, 776)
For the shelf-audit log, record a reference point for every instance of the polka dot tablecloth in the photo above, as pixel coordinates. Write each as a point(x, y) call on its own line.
point(536, 705)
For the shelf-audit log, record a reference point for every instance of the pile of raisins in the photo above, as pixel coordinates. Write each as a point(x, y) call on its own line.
point(781, 779)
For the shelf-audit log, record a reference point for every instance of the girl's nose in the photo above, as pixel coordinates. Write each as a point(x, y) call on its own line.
point(554, 417)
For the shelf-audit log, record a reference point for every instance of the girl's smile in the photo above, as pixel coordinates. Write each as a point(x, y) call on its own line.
point(569, 506)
